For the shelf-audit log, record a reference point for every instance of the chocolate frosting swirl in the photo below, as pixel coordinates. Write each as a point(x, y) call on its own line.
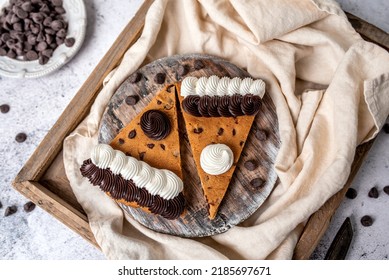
point(191, 105)
point(145, 199)
point(203, 105)
point(234, 106)
point(250, 104)
point(120, 188)
point(155, 124)
point(132, 192)
point(224, 103)
point(213, 106)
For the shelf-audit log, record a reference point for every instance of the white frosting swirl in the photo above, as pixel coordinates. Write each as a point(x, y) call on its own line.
point(160, 182)
point(258, 87)
point(201, 86)
point(189, 86)
point(103, 155)
point(245, 85)
point(211, 86)
point(144, 176)
point(222, 86)
point(234, 86)
point(216, 159)
point(118, 162)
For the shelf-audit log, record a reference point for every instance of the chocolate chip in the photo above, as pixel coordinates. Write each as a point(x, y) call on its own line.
point(3, 52)
point(351, 193)
point(142, 155)
point(21, 137)
point(29, 206)
point(385, 128)
point(121, 141)
point(162, 146)
point(10, 210)
point(373, 193)
point(198, 64)
point(31, 55)
point(27, 6)
point(251, 165)
point(386, 190)
point(183, 70)
point(160, 78)
point(4, 108)
point(132, 134)
point(43, 60)
point(159, 102)
point(198, 130)
point(132, 99)
point(41, 46)
point(241, 143)
point(220, 131)
point(136, 77)
point(233, 132)
point(366, 221)
point(260, 135)
point(150, 146)
point(256, 183)
point(57, 3)
point(69, 42)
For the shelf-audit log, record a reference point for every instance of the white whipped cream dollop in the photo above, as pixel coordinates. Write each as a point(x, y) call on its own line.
point(222, 86)
point(160, 182)
point(216, 159)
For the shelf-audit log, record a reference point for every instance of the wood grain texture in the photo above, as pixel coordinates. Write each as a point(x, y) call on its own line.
point(241, 199)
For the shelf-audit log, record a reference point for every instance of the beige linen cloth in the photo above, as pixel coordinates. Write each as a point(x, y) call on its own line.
point(331, 91)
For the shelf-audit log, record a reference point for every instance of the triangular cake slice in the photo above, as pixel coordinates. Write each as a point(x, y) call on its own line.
point(134, 139)
point(213, 117)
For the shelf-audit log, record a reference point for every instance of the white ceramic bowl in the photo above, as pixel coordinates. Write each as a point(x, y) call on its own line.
point(76, 17)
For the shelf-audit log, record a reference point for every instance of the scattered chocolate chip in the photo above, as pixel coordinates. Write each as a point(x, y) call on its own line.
point(121, 141)
point(4, 108)
point(160, 78)
point(233, 132)
point(169, 88)
point(162, 146)
point(256, 183)
point(132, 99)
point(373, 193)
point(69, 42)
point(385, 128)
point(183, 70)
point(132, 134)
point(351, 193)
point(134, 78)
point(159, 102)
point(128, 154)
point(251, 165)
point(142, 155)
point(241, 143)
point(29, 206)
point(220, 131)
point(198, 130)
point(10, 210)
point(386, 190)
point(198, 64)
point(366, 221)
point(21, 137)
point(150, 146)
point(260, 135)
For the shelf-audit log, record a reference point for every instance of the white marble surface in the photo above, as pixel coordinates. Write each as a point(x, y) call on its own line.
point(37, 235)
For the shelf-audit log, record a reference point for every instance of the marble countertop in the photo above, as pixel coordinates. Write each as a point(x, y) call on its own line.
point(38, 235)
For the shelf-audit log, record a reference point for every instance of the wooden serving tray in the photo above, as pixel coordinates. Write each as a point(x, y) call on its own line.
point(42, 179)
point(241, 199)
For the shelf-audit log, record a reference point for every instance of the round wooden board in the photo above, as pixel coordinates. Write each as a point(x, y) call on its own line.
point(241, 199)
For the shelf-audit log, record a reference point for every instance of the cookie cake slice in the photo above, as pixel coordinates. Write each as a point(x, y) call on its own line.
point(218, 115)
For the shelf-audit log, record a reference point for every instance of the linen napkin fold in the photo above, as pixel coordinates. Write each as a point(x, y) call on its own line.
point(331, 91)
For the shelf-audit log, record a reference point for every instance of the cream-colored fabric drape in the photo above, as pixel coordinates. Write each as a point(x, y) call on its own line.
point(331, 91)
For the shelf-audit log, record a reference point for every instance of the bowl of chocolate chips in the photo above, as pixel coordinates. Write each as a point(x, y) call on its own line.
point(39, 36)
